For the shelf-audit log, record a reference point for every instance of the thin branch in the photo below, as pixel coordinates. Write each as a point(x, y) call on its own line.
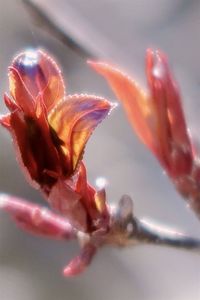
point(127, 230)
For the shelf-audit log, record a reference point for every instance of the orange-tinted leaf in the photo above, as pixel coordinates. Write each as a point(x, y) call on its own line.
point(41, 77)
point(137, 104)
point(74, 120)
point(19, 92)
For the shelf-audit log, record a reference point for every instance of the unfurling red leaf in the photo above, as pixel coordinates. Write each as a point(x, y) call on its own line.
point(36, 74)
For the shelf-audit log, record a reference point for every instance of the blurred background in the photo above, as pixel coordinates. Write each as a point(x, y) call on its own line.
point(116, 31)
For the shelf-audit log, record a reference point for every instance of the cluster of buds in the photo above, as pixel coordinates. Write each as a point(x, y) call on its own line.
point(50, 130)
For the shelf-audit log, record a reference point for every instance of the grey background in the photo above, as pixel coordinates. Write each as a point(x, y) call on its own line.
point(30, 267)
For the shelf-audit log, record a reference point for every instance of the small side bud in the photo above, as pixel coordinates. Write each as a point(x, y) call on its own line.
point(125, 207)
